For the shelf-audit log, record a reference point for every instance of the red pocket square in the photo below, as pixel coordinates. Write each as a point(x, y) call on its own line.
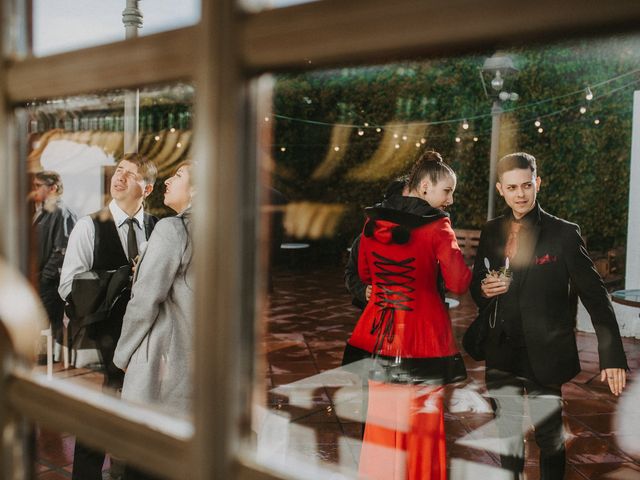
point(545, 259)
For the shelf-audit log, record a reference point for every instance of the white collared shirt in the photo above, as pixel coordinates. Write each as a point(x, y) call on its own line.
point(79, 255)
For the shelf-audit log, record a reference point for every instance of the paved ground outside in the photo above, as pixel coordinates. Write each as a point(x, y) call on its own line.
point(313, 409)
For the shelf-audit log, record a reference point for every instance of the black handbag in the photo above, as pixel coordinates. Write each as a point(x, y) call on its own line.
point(474, 339)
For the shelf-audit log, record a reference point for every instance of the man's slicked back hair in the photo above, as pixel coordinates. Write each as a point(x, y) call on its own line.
point(514, 161)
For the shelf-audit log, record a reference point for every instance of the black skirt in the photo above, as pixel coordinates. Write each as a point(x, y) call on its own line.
point(431, 370)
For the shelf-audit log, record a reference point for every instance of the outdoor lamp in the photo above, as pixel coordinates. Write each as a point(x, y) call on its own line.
point(499, 69)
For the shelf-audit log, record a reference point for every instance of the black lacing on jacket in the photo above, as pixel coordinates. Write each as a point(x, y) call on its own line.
point(393, 293)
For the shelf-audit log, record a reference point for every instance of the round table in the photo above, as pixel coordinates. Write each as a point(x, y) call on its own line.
point(627, 297)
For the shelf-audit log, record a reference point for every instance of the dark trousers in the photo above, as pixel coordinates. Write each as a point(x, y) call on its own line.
point(507, 390)
point(87, 462)
point(54, 305)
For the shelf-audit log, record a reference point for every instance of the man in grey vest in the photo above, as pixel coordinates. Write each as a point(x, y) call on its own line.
point(108, 240)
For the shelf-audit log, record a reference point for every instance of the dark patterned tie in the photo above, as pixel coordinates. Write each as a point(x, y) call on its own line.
point(511, 248)
point(132, 243)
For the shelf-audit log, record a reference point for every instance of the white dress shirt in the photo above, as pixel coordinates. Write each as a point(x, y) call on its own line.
point(79, 256)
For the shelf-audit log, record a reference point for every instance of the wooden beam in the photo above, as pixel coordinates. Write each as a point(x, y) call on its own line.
point(161, 58)
point(144, 438)
point(335, 32)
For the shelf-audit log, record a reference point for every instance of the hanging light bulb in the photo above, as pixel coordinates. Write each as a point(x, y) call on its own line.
point(378, 129)
point(537, 123)
point(336, 148)
point(458, 139)
point(465, 124)
point(540, 130)
point(423, 141)
point(417, 144)
point(397, 146)
point(475, 139)
point(497, 82)
point(266, 119)
point(361, 132)
point(583, 110)
point(395, 135)
point(589, 94)
point(597, 121)
point(366, 124)
point(404, 137)
point(283, 149)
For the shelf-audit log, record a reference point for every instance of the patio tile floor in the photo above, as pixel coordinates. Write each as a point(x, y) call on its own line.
point(310, 319)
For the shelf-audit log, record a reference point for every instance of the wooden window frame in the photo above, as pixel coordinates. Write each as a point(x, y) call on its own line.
point(222, 54)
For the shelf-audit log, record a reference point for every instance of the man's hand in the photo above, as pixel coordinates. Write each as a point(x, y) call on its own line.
point(616, 377)
point(493, 286)
point(367, 293)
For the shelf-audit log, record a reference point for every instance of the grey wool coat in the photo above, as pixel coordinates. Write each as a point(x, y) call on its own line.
point(156, 343)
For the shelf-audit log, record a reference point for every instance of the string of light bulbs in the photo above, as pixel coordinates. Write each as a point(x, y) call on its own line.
point(587, 91)
point(421, 140)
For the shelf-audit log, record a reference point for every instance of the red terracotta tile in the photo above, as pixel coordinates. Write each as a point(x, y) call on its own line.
point(54, 449)
point(612, 471)
point(40, 468)
point(588, 407)
point(593, 450)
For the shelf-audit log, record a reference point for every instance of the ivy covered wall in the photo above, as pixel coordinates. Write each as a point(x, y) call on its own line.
point(334, 132)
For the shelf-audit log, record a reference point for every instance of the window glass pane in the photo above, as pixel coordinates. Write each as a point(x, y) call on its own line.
point(60, 26)
point(90, 209)
point(340, 366)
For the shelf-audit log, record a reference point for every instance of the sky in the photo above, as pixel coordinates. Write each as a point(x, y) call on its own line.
point(63, 25)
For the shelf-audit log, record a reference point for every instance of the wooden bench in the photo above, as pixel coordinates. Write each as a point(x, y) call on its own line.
point(468, 241)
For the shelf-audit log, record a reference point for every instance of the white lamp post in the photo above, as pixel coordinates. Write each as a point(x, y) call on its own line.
point(132, 20)
point(498, 68)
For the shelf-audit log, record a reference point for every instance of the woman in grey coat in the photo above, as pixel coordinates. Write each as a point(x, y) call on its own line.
point(157, 332)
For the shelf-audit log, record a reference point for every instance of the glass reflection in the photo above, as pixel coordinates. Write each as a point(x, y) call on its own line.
point(80, 173)
point(111, 249)
point(347, 371)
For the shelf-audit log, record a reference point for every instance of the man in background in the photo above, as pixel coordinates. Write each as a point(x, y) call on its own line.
point(53, 222)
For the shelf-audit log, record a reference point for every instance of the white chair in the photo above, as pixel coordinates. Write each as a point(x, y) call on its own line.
point(47, 333)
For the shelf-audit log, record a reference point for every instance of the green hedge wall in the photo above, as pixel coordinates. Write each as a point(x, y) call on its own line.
point(584, 166)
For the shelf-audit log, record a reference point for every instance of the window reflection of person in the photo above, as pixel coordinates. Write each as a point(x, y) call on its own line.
point(157, 333)
point(405, 326)
point(131, 183)
point(53, 222)
point(531, 348)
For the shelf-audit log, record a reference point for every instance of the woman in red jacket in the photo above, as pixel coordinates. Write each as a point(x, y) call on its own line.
point(406, 246)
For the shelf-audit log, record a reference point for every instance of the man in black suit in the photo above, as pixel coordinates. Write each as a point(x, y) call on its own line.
point(531, 347)
point(53, 222)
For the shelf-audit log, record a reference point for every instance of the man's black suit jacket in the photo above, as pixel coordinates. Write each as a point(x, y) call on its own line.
point(555, 259)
